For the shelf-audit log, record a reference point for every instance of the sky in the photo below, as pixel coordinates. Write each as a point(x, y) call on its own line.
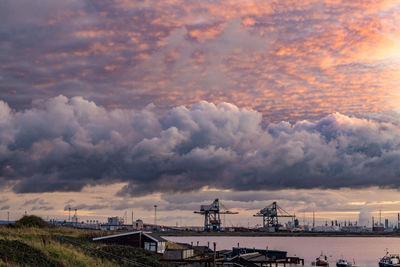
point(114, 106)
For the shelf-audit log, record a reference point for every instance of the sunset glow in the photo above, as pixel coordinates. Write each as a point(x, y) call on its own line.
point(115, 106)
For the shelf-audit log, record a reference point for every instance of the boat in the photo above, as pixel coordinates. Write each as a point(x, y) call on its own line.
point(322, 260)
point(390, 260)
point(343, 263)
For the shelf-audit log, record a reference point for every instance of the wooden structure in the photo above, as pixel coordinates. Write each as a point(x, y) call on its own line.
point(137, 239)
point(249, 257)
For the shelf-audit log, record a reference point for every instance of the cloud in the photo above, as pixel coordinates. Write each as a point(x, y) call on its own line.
point(6, 207)
point(86, 207)
point(64, 144)
point(35, 201)
point(4, 200)
point(287, 60)
point(70, 201)
point(42, 208)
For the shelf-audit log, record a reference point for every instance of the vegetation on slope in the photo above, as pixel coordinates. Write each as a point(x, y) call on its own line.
point(14, 251)
point(30, 243)
point(141, 256)
point(29, 221)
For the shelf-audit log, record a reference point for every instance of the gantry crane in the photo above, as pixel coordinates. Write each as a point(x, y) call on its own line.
point(212, 218)
point(271, 214)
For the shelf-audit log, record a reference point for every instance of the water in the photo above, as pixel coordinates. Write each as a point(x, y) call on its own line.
point(366, 251)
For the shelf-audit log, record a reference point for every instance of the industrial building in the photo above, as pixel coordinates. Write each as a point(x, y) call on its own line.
point(178, 252)
point(139, 225)
point(271, 221)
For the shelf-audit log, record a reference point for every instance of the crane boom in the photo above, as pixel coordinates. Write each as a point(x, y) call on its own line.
point(271, 214)
point(212, 218)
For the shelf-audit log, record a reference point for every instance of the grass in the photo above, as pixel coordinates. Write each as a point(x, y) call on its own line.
point(14, 251)
point(42, 246)
point(141, 256)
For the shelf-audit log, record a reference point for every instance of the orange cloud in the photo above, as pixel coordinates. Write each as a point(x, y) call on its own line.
point(288, 59)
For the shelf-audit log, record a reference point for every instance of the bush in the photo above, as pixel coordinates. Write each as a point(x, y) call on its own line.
point(30, 221)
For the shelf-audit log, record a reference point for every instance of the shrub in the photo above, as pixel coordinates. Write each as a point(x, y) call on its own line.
point(30, 221)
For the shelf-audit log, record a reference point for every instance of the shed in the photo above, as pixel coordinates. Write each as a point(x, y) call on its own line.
point(178, 254)
point(139, 239)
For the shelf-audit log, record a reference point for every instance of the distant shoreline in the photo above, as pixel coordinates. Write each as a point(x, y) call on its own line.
point(283, 234)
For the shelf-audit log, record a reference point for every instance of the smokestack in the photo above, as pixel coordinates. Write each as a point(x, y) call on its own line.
point(398, 220)
point(313, 219)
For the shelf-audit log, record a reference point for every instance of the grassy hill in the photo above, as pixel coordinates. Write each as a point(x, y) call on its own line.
point(31, 242)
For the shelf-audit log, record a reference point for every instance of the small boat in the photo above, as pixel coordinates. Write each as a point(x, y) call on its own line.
point(322, 260)
point(343, 263)
point(390, 260)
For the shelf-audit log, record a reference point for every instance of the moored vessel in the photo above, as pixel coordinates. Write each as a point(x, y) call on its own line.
point(322, 260)
point(390, 260)
point(343, 263)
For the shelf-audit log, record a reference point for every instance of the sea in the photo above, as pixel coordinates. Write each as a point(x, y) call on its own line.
point(364, 251)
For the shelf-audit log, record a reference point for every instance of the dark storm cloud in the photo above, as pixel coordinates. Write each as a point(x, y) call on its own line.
point(64, 144)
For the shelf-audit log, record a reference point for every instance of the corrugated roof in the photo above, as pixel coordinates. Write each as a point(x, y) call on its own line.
point(152, 236)
point(155, 237)
point(172, 246)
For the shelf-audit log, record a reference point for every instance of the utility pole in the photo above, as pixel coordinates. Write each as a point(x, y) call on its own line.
point(155, 215)
point(215, 254)
point(69, 214)
point(8, 216)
